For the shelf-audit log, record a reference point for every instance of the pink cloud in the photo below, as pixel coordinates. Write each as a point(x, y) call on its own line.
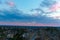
point(55, 7)
point(27, 24)
point(10, 4)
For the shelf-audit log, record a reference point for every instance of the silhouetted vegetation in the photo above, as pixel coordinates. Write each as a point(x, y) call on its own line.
point(40, 33)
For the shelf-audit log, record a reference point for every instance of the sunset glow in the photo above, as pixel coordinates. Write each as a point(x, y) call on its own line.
point(30, 12)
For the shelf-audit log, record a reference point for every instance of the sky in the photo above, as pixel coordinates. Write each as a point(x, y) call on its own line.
point(30, 12)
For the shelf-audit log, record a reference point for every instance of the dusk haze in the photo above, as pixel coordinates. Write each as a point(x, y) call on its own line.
point(30, 12)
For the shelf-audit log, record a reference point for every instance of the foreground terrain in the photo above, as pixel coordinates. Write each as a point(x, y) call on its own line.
point(29, 33)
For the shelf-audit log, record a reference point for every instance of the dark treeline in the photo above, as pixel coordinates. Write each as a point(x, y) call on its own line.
point(29, 33)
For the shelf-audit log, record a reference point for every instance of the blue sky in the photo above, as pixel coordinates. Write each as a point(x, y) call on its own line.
point(24, 5)
point(29, 12)
point(27, 4)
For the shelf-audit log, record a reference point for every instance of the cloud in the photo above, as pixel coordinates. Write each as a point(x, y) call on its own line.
point(17, 16)
point(47, 3)
point(38, 16)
